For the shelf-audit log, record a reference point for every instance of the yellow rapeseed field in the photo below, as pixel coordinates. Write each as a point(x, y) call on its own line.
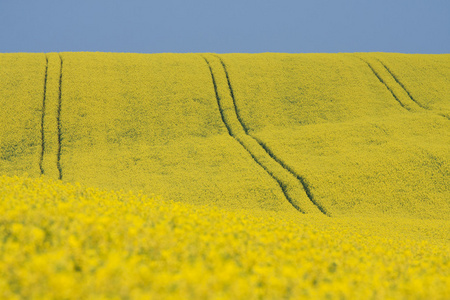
point(330, 119)
point(232, 176)
point(63, 241)
point(151, 123)
point(424, 77)
point(22, 79)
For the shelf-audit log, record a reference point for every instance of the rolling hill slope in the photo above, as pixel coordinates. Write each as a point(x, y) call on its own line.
point(343, 125)
point(328, 134)
point(21, 94)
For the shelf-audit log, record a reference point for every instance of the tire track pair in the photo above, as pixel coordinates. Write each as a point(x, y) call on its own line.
point(50, 156)
point(394, 85)
point(293, 186)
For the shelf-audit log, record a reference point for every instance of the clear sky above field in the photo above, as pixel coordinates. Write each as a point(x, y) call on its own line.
point(149, 26)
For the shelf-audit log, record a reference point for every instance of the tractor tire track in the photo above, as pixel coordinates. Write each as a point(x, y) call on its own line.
point(403, 87)
point(301, 179)
point(41, 158)
point(407, 91)
point(230, 132)
point(58, 121)
point(385, 84)
point(268, 150)
point(293, 189)
point(49, 122)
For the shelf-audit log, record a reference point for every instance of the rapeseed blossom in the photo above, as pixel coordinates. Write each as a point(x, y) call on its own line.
point(67, 241)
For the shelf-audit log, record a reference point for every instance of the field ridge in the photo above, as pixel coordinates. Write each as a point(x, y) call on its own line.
point(293, 189)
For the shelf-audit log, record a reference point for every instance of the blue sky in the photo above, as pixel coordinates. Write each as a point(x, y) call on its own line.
point(407, 26)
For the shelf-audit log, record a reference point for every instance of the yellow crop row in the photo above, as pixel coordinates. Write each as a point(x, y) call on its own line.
point(62, 241)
